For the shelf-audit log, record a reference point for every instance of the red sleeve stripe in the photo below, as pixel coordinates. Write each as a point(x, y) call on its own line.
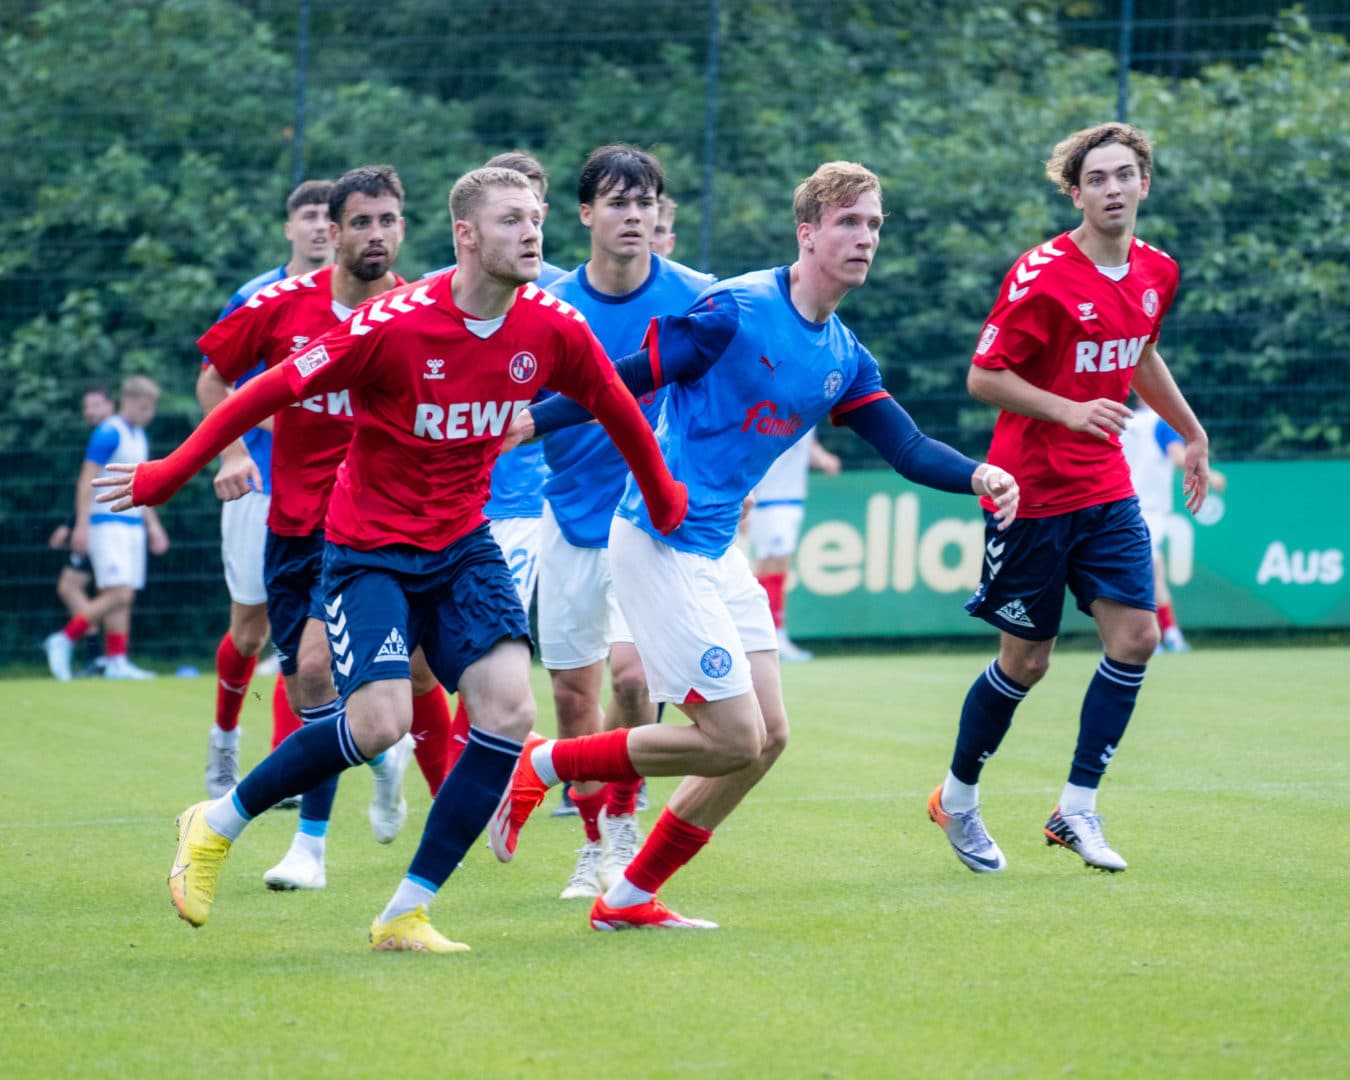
point(837, 414)
point(651, 342)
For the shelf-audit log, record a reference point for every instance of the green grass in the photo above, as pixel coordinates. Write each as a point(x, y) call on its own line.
point(853, 943)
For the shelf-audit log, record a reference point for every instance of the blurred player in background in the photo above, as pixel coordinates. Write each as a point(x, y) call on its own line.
point(409, 558)
point(516, 500)
point(699, 618)
point(365, 210)
point(1154, 452)
point(775, 526)
point(663, 236)
point(243, 521)
point(115, 544)
point(619, 289)
point(1076, 323)
point(72, 584)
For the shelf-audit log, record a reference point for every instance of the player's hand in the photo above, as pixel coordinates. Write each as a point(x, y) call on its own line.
point(59, 538)
point(117, 483)
point(79, 538)
point(1195, 474)
point(830, 464)
point(521, 429)
point(1000, 486)
point(236, 478)
point(1101, 417)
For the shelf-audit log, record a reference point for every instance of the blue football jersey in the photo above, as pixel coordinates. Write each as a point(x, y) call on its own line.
point(773, 376)
point(256, 440)
point(115, 440)
point(517, 485)
point(588, 472)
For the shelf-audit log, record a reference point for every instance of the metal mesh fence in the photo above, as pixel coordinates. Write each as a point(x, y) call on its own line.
point(739, 99)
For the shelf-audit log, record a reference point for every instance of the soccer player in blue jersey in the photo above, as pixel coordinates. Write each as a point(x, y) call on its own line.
point(516, 498)
point(619, 289)
point(243, 521)
point(750, 368)
point(115, 543)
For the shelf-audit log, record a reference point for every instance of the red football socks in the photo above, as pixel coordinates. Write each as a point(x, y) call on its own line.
point(595, 757)
point(671, 844)
point(459, 736)
point(588, 808)
point(775, 585)
point(76, 628)
point(233, 673)
point(284, 721)
point(431, 734)
point(621, 798)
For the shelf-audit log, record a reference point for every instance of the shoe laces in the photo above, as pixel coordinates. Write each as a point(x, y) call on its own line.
point(973, 826)
point(623, 838)
point(1089, 832)
point(588, 858)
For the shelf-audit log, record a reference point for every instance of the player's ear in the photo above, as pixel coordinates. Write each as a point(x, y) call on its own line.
point(806, 235)
point(1144, 179)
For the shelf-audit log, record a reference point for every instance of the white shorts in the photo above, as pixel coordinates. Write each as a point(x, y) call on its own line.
point(774, 529)
point(117, 554)
point(1156, 520)
point(579, 616)
point(243, 535)
point(519, 540)
point(694, 619)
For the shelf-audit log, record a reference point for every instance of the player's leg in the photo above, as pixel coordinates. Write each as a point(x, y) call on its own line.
point(773, 537)
point(575, 633)
point(1021, 593)
point(243, 536)
point(430, 723)
point(370, 608)
point(1111, 575)
point(488, 661)
point(630, 706)
point(72, 586)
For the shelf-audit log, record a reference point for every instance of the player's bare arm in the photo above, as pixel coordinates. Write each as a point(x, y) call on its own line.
point(238, 471)
point(156, 537)
point(1006, 390)
point(84, 504)
point(1154, 384)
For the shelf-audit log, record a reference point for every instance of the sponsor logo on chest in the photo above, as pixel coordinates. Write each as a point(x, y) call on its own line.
point(333, 403)
point(764, 418)
point(1104, 356)
point(464, 419)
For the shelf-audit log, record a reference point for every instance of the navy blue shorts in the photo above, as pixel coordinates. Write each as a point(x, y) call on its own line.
point(1099, 553)
point(292, 575)
point(381, 605)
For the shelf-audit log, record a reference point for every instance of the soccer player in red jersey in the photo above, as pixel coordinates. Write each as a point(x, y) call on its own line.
point(435, 371)
point(365, 208)
point(1075, 327)
point(243, 521)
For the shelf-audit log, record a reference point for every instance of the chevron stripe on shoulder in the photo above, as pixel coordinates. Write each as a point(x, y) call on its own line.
point(1029, 268)
point(389, 306)
point(1149, 247)
point(281, 288)
point(543, 298)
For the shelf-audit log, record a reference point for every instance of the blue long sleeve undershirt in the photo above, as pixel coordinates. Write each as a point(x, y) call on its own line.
point(883, 423)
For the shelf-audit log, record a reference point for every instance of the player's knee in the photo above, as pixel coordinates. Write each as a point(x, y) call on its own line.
point(630, 688)
point(1141, 643)
point(578, 711)
point(248, 640)
point(314, 677)
point(775, 739)
point(512, 718)
point(741, 747)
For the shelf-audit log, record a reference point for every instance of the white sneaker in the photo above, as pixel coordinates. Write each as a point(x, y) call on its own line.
point(388, 807)
point(966, 834)
point(58, 648)
point(222, 769)
point(789, 652)
point(119, 667)
point(621, 838)
point(585, 879)
point(1082, 832)
point(297, 870)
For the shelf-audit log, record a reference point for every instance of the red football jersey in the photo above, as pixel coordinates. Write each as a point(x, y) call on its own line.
point(1064, 326)
point(432, 400)
point(310, 437)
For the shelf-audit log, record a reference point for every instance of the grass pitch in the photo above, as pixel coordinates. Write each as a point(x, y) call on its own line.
point(853, 943)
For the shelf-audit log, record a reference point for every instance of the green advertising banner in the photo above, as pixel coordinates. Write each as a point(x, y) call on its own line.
point(879, 557)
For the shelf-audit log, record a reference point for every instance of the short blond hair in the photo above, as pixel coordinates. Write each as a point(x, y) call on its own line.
point(140, 386)
point(1065, 166)
point(470, 191)
point(836, 183)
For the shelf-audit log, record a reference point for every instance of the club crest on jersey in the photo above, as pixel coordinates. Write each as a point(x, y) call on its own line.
point(311, 361)
point(1086, 312)
point(433, 370)
point(834, 381)
point(716, 662)
point(523, 367)
point(986, 340)
point(1150, 302)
